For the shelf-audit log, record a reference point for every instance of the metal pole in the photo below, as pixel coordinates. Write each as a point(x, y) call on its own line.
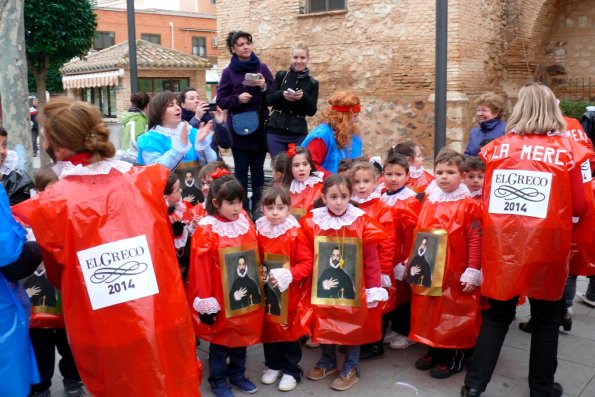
point(132, 47)
point(441, 63)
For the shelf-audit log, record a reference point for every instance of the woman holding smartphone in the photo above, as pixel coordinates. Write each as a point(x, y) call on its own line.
point(293, 97)
point(241, 92)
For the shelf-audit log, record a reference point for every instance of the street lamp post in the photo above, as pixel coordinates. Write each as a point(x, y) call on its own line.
point(440, 82)
point(132, 47)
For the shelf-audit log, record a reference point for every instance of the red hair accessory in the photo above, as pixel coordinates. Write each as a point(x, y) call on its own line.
point(219, 173)
point(291, 150)
point(347, 109)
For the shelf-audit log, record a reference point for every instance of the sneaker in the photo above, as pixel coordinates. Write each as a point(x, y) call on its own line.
point(425, 362)
point(370, 351)
point(245, 385)
point(270, 376)
point(74, 388)
point(557, 390)
point(287, 383)
point(526, 327)
point(401, 342)
point(45, 393)
point(586, 300)
point(342, 383)
point(441, 371)
point(320, 373)
point(453, 366)
point(388, 338)
point(222, 391)
point(310, 343)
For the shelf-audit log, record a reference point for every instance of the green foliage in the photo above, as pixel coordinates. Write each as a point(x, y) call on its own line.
point(574, 109)
point(54, 80)
point(58, 30)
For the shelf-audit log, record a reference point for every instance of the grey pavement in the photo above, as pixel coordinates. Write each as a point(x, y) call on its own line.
point(394, 374)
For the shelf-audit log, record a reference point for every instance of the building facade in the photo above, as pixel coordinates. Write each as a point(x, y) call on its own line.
point(384, 50)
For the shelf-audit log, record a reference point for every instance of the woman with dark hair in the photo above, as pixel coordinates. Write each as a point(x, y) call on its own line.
point(293, 97)
point(170, 141)
point(108, 247)
point(242, 92)
point(195, 111)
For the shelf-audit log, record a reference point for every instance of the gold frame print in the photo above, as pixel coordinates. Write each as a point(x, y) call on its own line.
point(433, 257)
point(284, 296)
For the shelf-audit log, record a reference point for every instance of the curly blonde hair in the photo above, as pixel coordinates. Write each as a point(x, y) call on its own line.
point(493, 101)
point(340, 122)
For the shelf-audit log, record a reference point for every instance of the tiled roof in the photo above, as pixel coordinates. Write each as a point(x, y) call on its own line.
point(148, 55)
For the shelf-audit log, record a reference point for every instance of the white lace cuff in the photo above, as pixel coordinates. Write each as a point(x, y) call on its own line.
point(399, 271)
point(376, 295)
point(283, 277)
point(179, 147)
point(206, 306)
point(471, 276)
point(385, 281)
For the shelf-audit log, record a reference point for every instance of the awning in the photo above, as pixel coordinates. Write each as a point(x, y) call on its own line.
point(90, 80)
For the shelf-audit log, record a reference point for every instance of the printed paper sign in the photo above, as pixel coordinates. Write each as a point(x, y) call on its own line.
point(586, 171)
point(118, 272)
point(518, 192)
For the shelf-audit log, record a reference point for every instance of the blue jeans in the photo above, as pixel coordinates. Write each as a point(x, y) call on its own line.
point(277, 143)
point(220, 370)
point(328, 360)
point(252, 160)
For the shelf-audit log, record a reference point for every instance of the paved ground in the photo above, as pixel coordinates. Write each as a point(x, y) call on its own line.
point(394, 374)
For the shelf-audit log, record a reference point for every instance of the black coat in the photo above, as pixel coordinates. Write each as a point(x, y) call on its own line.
point(290, 117)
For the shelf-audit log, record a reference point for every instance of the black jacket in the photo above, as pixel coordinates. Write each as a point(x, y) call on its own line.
point(290, 117)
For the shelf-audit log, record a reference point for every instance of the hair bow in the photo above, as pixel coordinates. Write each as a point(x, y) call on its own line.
point(291, 150)
point(219, 173)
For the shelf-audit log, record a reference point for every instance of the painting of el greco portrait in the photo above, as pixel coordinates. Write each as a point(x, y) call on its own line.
point(337, 276)
point(275, 302)
point(242, 279)
point(425, 269)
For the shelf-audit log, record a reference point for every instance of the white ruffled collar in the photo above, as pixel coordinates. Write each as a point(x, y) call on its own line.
point(313, 179)
point(475, 193)
point(169, 132)
point(436, 195)
point(375, 194)
point(267, 229)
point(416, 172)
point(403, 194)
point(549, 133)
point(325, 220)
point(103, 167)
point(10, 163)
point(231, 229)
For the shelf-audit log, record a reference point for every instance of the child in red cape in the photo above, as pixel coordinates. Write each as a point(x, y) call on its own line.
point(107, 246)
point(302, 179)
point(419, 178)
point(447, 320)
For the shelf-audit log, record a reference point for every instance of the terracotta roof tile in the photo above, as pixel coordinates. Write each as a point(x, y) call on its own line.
point(148, 55)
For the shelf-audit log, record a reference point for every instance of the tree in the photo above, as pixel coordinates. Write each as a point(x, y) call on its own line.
point(55, 32)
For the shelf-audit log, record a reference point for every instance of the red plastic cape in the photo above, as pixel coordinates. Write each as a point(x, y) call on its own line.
point(514, 259)
point(347, 325)
point(293, 320)
point(453, 319)
point(206, 280)
point(301, 203)
point(144, 346)
point(419, 185)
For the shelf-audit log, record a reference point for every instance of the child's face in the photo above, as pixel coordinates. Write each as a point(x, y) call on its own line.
point(277, 179)
point(205, 186)
point(229, 209)
point(418, 159)
point(448, 177)
point(363, 183)
point(175, 195)
point(395, 177)
point(300, 167)
point(277, 212)
point(3, 148)
point(336, 199)
point(474, 180)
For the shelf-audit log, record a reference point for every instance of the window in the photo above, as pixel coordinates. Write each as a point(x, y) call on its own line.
point(199, 46)
point(325, 5)
point(151, 38)
point(104, 99)
point(155, 85)
point(104, 40)
point(213, 1)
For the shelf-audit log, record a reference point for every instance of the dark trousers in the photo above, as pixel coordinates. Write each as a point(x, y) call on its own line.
point(252, 160)
point(284, 356)
point(34, 135)
point(278, 143)
point(220, 370)
point(545, 319)
point(400, 319)
point(45, 341)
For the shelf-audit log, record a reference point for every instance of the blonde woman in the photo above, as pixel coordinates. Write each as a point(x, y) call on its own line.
point(534, 186)
point(489, 110)
point(338, 136)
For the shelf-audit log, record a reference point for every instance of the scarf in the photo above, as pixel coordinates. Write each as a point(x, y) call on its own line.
point(252, 65)
point(487, 126)
point(300, 75)
point(187, 114)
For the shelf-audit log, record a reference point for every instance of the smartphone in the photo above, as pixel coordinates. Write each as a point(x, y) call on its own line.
point(292, 92)
point(212, 107)
point(251, 76)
